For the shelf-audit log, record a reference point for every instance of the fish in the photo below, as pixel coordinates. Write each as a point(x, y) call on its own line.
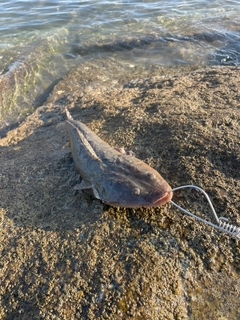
point(111, 174)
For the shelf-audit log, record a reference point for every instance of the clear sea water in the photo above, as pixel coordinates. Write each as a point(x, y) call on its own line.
point(45, 39)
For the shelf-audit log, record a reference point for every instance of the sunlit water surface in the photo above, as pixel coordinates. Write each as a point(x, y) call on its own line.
point(49, 37)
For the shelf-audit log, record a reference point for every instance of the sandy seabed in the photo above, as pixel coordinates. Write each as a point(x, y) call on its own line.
point(65, 255)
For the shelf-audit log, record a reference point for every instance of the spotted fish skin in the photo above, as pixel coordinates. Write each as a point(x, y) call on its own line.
point(112, 176)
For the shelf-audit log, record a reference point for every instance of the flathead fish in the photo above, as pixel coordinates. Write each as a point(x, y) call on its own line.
point(111, 175)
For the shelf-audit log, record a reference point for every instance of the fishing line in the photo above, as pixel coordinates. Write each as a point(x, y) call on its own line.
point(222, 223)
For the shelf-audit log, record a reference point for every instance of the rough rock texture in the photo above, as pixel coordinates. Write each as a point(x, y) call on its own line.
point(65, 255)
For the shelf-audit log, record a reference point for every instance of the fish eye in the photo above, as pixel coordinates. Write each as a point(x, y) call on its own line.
point(136, 191)
point(150, 175)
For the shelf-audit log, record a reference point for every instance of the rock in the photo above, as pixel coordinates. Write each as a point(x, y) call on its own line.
point(19, 77)
point(65, 255)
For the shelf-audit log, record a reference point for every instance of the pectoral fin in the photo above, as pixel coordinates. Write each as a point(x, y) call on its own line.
point(125, 152)
point(83, 185)
point(88, 188)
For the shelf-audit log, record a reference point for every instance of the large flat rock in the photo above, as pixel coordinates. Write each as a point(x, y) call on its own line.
point(65, 255)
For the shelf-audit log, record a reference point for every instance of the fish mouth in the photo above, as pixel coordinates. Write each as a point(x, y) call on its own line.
point(164, 199)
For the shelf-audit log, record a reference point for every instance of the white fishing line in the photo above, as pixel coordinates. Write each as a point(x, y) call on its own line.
point(222, 224)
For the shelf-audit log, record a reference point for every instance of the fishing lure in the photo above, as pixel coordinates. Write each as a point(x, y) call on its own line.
point(222, 224)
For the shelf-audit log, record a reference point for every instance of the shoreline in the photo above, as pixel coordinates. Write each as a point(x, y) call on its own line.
point(75, 258)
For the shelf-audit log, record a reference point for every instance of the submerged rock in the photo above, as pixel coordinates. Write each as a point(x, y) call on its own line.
point(19, 76)
point(65, 255)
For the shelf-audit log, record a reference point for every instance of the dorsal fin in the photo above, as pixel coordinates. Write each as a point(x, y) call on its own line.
point(87, 144)
point(68, 114)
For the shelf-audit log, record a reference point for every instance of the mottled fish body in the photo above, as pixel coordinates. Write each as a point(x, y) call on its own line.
point(113, 177)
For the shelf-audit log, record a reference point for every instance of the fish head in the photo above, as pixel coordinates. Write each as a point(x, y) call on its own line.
point(136, 185)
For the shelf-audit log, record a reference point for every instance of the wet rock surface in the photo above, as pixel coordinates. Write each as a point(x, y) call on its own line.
point(20, 71)
point(65, 255)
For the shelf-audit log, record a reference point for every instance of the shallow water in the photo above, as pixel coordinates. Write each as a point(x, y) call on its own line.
point(46, 38)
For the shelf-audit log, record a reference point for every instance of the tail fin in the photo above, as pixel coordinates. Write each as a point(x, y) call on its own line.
point(68, 114)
